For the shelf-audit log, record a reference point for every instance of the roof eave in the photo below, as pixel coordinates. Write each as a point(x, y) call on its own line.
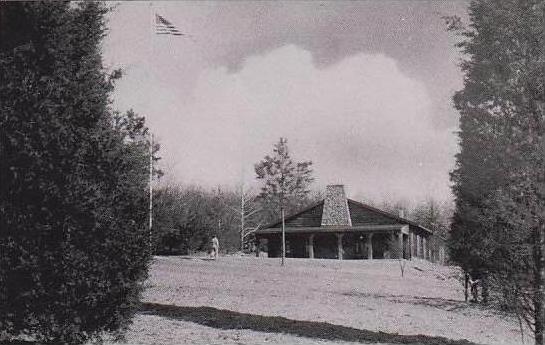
point(332, 229)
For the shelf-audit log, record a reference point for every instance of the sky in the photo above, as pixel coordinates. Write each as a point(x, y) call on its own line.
point(362, 89)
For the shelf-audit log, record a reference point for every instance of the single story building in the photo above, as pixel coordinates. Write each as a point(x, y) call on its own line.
point(341, 228)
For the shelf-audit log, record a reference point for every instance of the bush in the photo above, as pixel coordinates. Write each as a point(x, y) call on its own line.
point(73, 236)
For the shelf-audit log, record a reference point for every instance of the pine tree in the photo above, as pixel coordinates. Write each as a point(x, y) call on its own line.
point(74, 245)
point(283, 180)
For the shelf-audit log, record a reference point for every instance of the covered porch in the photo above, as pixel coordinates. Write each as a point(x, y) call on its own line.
point(350, 243)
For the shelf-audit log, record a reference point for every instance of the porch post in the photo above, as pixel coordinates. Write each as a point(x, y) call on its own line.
point(409, 245)
point(369, 246)
point(418, 246)
point(424, 248)
point(257, 247)
point(401, 245)
point(392, 251)
point(410, 249)
point(340, 246)
point(311, 246)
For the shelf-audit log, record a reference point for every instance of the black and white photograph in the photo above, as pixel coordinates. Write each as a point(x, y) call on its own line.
point(272, 172)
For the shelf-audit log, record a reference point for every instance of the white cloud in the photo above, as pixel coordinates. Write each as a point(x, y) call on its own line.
point(361, 121)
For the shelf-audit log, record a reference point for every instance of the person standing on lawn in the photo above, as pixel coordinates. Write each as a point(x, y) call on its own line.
point(215, 247)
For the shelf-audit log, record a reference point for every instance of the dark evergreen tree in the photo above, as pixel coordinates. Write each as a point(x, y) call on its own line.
point(74, 243)
point(499, 222)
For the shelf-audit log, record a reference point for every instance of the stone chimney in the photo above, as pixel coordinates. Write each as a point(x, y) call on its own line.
point(336, 211)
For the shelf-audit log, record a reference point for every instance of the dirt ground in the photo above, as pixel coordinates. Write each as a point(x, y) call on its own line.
point(368, 295)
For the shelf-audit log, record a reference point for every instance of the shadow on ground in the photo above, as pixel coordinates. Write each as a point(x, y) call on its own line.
point(440, 303)
point(226, 319)
point(435, 302)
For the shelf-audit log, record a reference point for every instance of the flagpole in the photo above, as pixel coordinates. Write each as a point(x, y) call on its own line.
point(151, 192)
point(173, 31)
point(150, 208)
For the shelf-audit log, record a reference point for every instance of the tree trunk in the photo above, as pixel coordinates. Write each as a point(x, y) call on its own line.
point(283, 237)
point(241, 232)
point(484, 288)
point(540, 260)
point(466, 285)
point(539, 284)
point(242, 219)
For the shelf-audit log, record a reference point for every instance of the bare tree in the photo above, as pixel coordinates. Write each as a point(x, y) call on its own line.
point(396, 251)
point(247, 210)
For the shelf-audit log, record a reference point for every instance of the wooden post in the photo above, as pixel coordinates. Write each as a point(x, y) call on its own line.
point(424, 248)
point(418, 250)
point(410, 245)
point(340, 246)
point(401, 247)
point(311, 246)
point(369, 246)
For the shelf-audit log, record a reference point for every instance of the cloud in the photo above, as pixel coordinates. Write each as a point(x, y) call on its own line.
point(361, 121)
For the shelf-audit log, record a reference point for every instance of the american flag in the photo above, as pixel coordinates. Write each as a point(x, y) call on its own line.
point(164, 27)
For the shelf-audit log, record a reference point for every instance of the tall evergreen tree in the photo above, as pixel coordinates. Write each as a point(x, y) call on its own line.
point(498, 225)
point(73, 221)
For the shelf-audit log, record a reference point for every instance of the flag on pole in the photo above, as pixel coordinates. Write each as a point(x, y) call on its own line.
point(164, 27)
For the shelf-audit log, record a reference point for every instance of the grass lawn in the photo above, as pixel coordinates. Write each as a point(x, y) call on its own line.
point(343, 302)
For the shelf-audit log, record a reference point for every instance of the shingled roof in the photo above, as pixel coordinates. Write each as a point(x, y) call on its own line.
point(336, 212)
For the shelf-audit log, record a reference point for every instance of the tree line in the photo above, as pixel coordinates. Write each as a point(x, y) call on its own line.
point(186, 217)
